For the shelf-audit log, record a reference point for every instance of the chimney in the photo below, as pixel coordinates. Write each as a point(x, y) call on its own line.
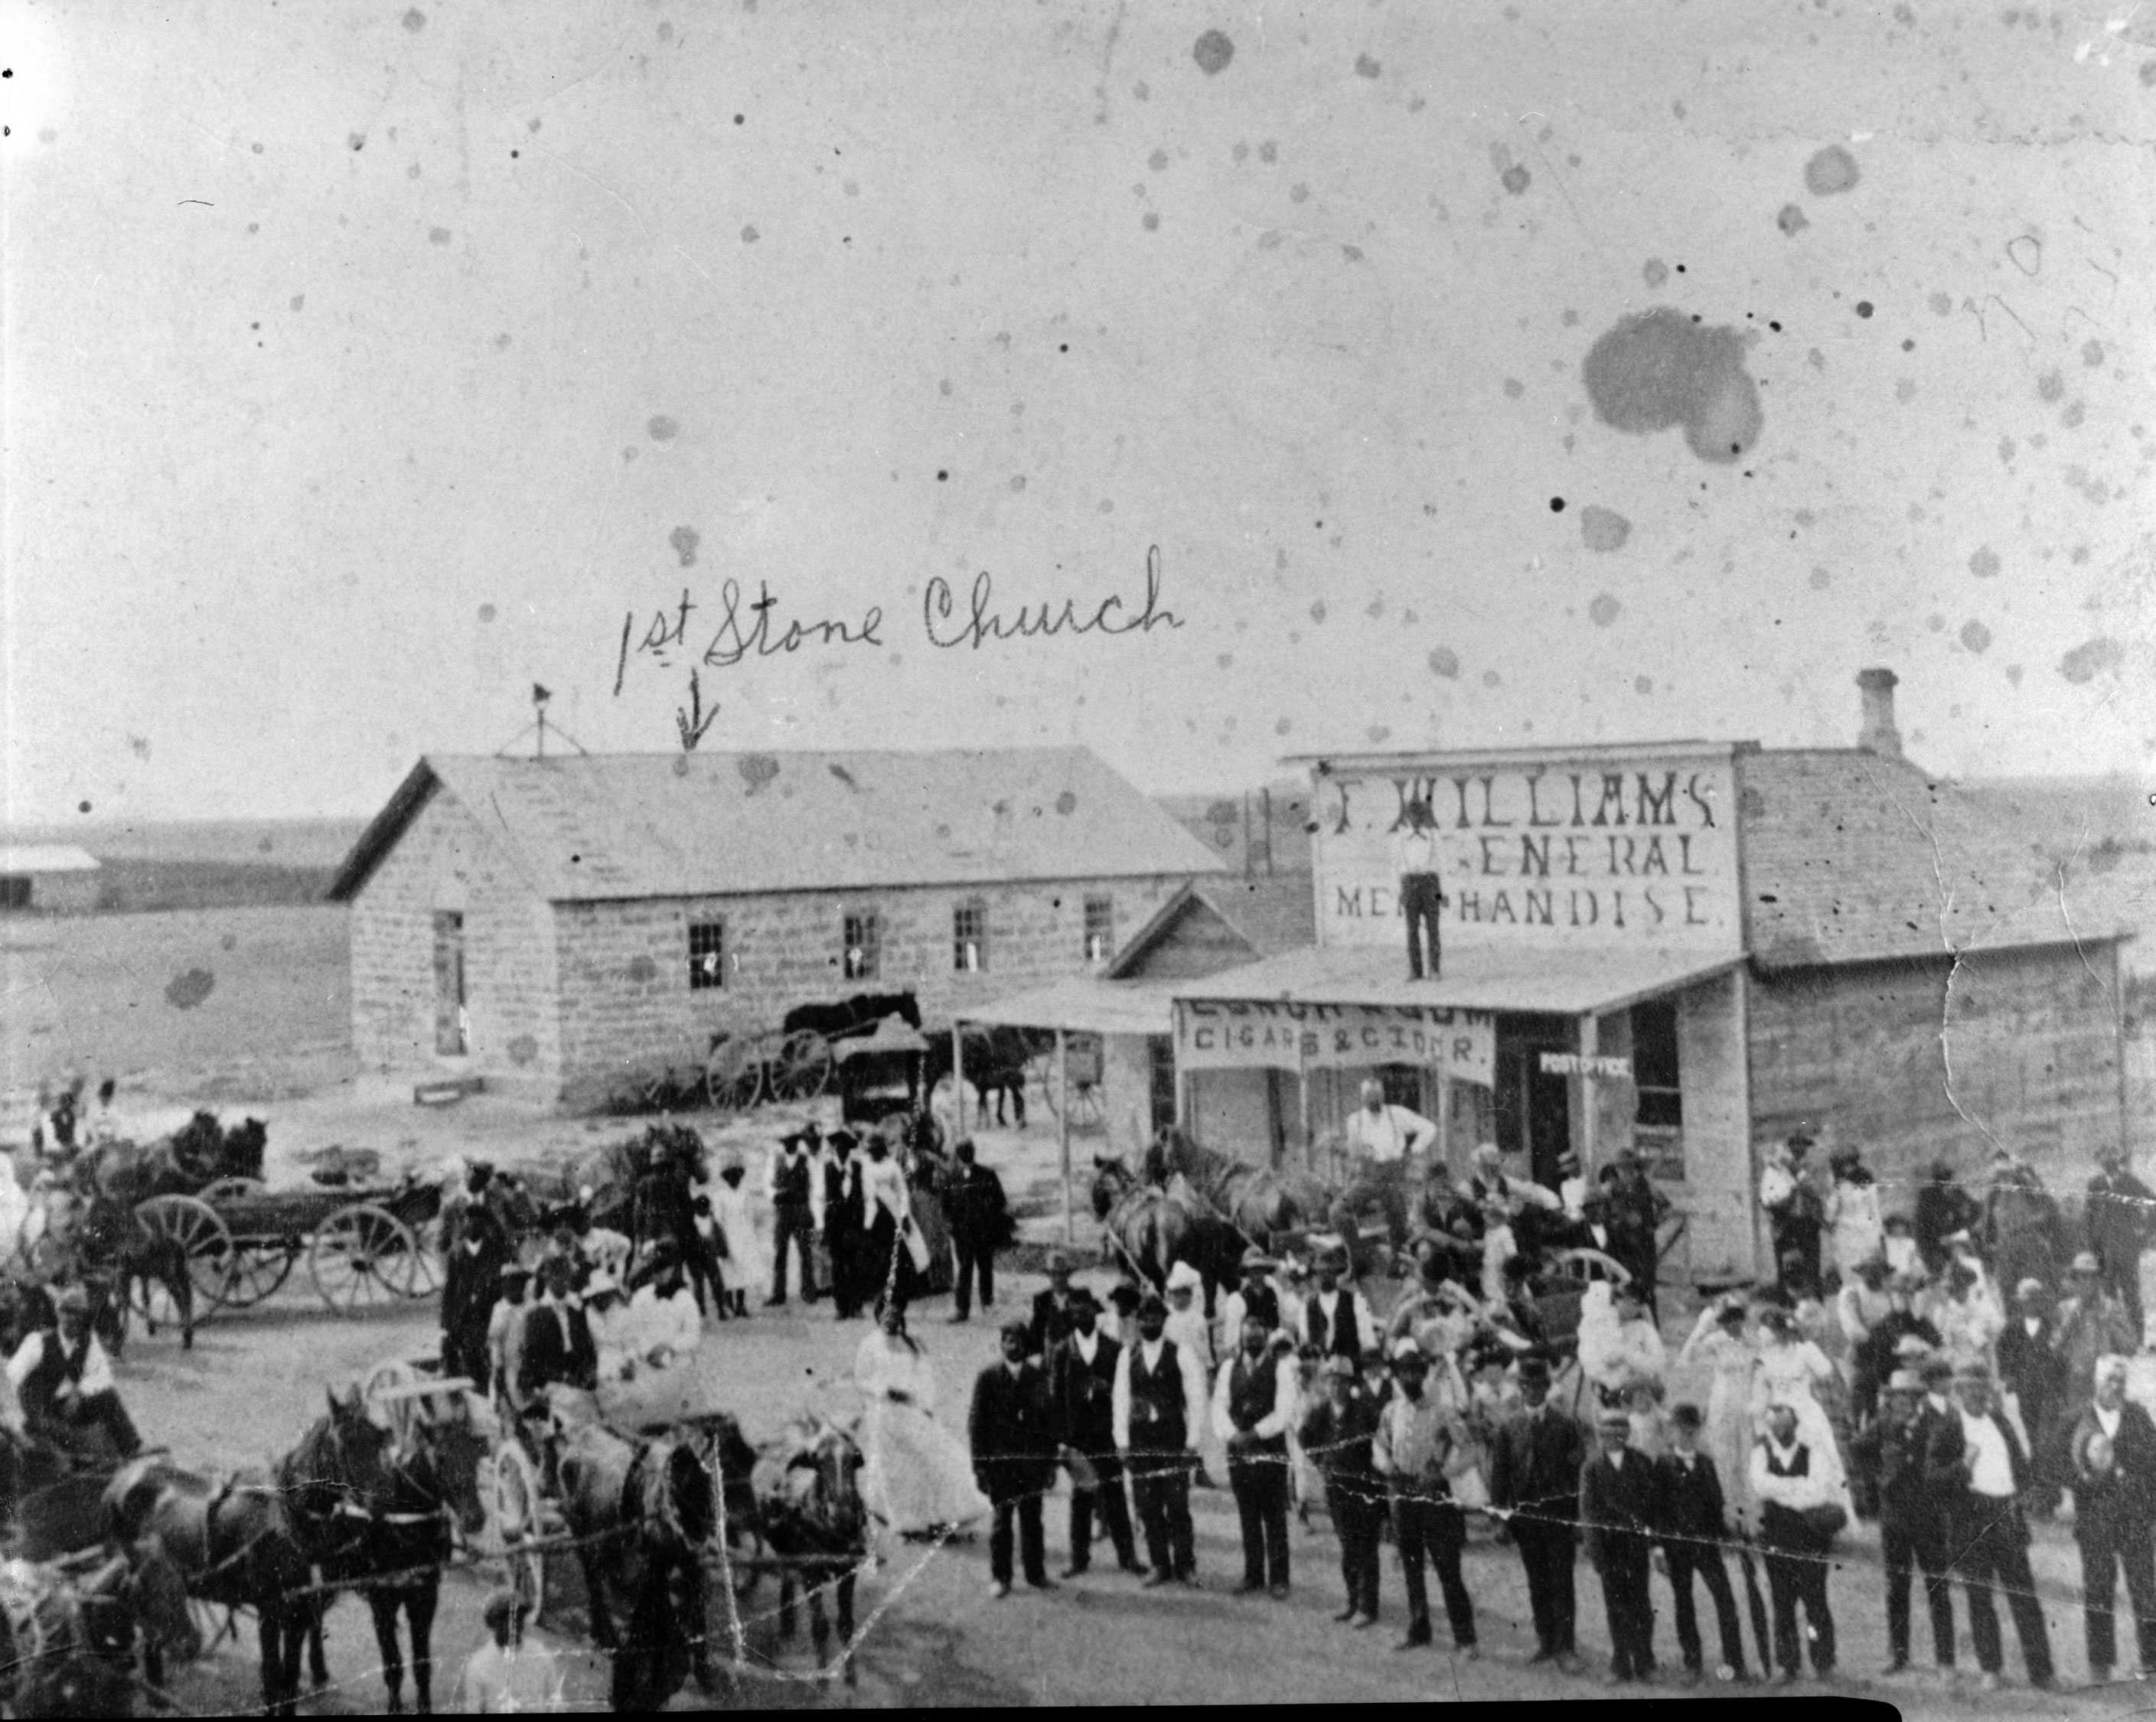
point(1879, 735)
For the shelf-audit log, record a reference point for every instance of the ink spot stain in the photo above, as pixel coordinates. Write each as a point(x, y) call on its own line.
point(1792, 221)
point(1833, 170)
point(2073, 417)
point(1905, 390)
point(415, 20)
point(523, 1050)
point(1377, 732)
point(2091, 659)
point(1158, 161)
point(1490, 679)
point(1602, 529)
point(1605, 610)
point(1863, 308)
point(1556, 505)
point(2006, 450)
point(82, 807)
point(186, 989)
point(1150, 221)
point(750, 236)
point(2148, 74)
point(437, 236)
point(2051, 387)
point(684, 541)
point(502, 343)
point(1515, 179)
point(662, 429)
point(1976, 636)
point(681, 764)
point(756, 770)
point(1643, 684)
point(299, 301)
point(1444, 662)
point(487, 612)
point(1983, 563)
point(1282, 725)
point(1514, 388)
point(1658, 369)
point(358, 140)
point(1318, 611)
point(1655, 272)
point(1213, 51)
point(1942, 304)
point(642, 969)
point(2092, 353)
point(1365, 67)
point(1066, 804)
point(1822, 580)
point(2027, 254)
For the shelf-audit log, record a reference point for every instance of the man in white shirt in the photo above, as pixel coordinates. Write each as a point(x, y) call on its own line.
point(1336, 1318)
point(64, 1383)
point(2112, 1460)
point(1416, 855)
point(508, 1673)
point(1186, 1319)
point(1158, 1408)
point(1981, 1470)
point(1385, 1140)
point(1253, 1408)
point(1791, 1483)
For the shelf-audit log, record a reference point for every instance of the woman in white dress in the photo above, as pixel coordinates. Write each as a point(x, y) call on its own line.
point(918, 1477)
point(748, 1263)
point(1853, 1225)
point(1793, 1371)
point(1719, 1344)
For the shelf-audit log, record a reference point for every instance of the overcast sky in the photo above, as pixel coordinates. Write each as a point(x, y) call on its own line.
point(368, 363)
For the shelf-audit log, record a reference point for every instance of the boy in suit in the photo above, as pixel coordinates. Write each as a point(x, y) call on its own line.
point(1534, 1484)
point(1620, 1506)
point(1693, 1528)
point(1014, 1446)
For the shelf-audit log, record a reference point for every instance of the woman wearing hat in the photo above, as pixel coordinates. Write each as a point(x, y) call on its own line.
point(740, 1239)
point(1719, 1343)
point(1855, 1232)
point(1794, 1372)
point(918, 1479)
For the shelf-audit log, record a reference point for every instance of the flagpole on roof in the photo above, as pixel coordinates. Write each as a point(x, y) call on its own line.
point(540, 696)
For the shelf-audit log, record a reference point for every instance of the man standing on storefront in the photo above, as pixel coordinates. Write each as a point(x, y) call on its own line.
point(1383, 1141)
point(1422, 895)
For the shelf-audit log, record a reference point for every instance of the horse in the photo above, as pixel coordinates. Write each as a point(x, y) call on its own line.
point(1256, 1200)
point(101, 1241)
point(996, 1060)
point(67, 1637)
point(1150, 1230)
point(391, 1536)
point(640, 1513)
point(807, 1484)
point(232, 1542)
point(199, 1154)
point(855, 1015)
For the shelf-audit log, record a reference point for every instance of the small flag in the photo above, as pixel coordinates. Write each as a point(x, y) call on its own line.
point(540, 695)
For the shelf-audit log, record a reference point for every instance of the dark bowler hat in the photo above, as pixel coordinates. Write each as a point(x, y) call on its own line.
point(1084, 1294)
point(1016, 1325)
point(1686, 1415)
point(1152, 1304)
point(1535, 1369)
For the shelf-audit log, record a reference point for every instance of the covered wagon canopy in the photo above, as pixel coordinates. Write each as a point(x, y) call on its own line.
point(892, 1035)
point(1085, 1006)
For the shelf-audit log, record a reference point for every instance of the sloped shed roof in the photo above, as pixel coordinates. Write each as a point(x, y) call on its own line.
point(593, 827)
point(1852, 856)
point(1268, 915)
point(45, 857)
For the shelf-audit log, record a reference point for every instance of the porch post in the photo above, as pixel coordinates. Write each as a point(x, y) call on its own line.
point(957, 1081)
point(1583, 1128)
point(1063, 1118)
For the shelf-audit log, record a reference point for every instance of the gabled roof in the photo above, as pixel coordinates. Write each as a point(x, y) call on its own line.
point(1852, 856)
point(1266, 916)
point(591, 827)
point(45, 857)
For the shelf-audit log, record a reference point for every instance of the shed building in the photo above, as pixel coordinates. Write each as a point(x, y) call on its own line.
point(562, 926)
point(52, 879)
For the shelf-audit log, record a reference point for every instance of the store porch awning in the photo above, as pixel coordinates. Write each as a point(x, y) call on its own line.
point(1493, 979)
point(1084, 1007)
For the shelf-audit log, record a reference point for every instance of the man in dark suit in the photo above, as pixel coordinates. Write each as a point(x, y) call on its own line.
point(1337, 1434)
point(1081, 1386)
point(2119, 1211)
point(471, 1285)
point(2030, 1368)
point(845, 1224)
point(1636, 1210)
point(794, 1215)
point(1534, 1481)
point(2112, 1460)
point(979, 1217)
point(1893, 1447)
point(1977, 1468)
point(1619, 1511)
point(1692, 1530)
point(1013, 1433)
point(1051, 1322)
point(557, 1338)
point(1159, 1407)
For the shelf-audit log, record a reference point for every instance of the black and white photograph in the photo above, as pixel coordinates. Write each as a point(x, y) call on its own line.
point(943, 854)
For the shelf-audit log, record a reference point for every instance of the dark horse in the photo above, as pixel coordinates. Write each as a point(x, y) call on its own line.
point(855, 1015)
point(641, 1513)
point(1149, 1230)
point(232, 1542)
point(809, 1510)
point(1255, 1200)
point(384, 1522)
point(107, 1247)
point(199, 1154)
point(995, 1066)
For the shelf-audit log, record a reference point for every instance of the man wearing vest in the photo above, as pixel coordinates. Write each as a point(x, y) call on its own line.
point(1790, 1488)
point(1418, 1440)
point(1013, 1434)
point(789, 1187)
point(845, 1223)
point(1620, 1506)
point(64, 1383)
point(2112, 1461)
point(1893, 1447)
point(1159, 1399)
point(1976, 1465)
point(1082, 1377)
point(1253, 1405)
point(1338, 1319)
point(1534, 1484)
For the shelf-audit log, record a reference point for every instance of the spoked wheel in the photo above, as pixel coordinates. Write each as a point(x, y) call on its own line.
point(362, 1257)
point(733, 1075)
point(803, 1068)
point(519, 1519)
point(259, 1265)
point(427, 1265)
point(206, 1245)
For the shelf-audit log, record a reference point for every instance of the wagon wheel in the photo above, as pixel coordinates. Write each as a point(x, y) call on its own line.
point(1040, 1078)
point(518, 1514)
point(259, 1265)
point(803, 1068)
point(733, 1074)
point(427, 1265)
point(196, 1227)
point(230, 1190)
point(362, 1257)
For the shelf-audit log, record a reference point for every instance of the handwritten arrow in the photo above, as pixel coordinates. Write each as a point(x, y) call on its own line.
point(693, 722)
